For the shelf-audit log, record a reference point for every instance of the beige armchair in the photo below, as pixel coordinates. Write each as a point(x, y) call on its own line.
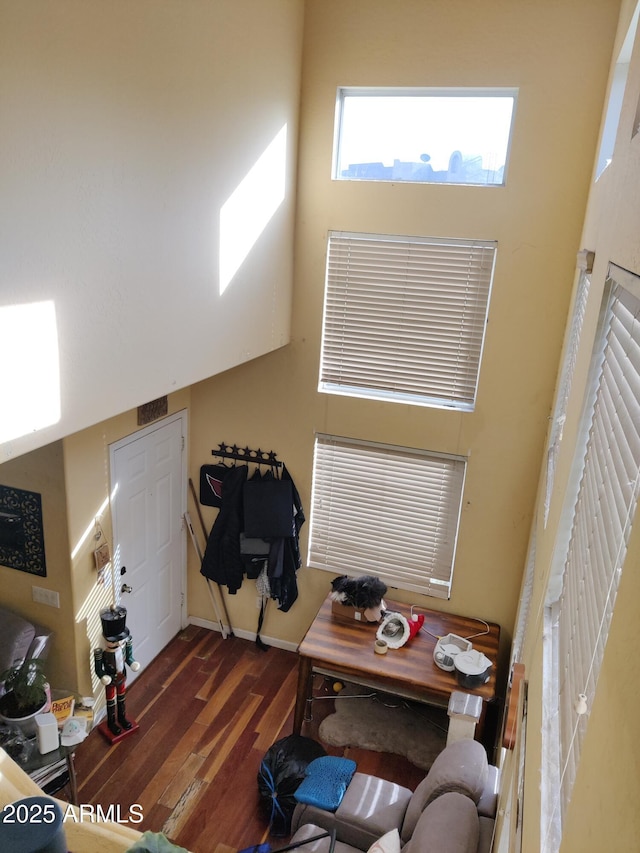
point(373, 807)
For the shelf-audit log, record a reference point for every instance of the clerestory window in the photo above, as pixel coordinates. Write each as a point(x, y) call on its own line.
point(446, 136)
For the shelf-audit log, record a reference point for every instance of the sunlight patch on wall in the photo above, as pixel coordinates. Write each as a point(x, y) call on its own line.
point(246, 213)
point(90, 530)
point(30, 373)
point(99, 596)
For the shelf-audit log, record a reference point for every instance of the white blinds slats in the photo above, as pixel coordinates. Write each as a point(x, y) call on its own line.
point(604, 509)
point(387, 511)
point(405, 317)
point(566, 379)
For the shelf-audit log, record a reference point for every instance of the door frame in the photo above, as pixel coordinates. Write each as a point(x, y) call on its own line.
point(181, 416)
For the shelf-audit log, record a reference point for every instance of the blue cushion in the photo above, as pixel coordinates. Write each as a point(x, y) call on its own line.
point(325, 782)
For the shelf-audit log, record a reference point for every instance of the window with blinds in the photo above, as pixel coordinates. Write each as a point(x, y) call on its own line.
point(585, 265)
point(602, 514)
point(524, 605)
point(404, 318)
point(387, 511)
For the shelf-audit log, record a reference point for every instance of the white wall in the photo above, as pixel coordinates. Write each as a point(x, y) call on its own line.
point(126, 127)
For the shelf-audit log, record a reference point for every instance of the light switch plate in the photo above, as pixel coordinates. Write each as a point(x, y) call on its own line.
point(45, 596)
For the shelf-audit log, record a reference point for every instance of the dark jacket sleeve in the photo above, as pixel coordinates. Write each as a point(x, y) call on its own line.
point(285, 559)
point(222, 561)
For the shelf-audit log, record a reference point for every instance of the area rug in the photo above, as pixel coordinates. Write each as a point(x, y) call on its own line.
point(385, 723)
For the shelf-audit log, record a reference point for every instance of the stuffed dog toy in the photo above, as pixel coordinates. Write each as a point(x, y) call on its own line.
point(364, 592)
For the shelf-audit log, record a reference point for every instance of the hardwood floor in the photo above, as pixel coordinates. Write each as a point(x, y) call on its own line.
point(208, 710)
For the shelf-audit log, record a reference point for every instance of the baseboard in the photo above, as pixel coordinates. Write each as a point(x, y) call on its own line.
point(244, 635)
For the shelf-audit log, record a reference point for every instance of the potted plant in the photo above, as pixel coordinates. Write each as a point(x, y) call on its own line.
point(26, 693)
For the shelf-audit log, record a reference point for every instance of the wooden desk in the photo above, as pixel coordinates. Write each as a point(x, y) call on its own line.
point(344, 649)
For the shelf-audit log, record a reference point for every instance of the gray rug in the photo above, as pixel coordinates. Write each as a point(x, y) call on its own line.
point(385, 723)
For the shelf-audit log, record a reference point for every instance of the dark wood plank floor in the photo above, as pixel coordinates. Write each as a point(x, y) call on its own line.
point(208, 710)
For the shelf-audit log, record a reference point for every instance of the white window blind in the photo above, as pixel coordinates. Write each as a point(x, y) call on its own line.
point(585, 263)
point(405, 317)
point(387, 511)
point(602, 516)
point(524, 605)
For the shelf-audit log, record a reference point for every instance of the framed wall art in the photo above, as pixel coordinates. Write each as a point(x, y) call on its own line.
point(21, 531)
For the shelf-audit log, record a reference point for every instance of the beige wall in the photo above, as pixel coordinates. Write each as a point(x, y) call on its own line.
point(73, 478)
point(87, 471)
point(536, 219)
point(127, 129)
point(602, 813)
point(43, 472)
point(557, 52)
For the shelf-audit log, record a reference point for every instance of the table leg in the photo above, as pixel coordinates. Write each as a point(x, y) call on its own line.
point(73, 780)
point(303, 692)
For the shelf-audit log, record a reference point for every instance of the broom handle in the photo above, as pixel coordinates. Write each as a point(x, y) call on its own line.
point(198, 510)
point(194, 539)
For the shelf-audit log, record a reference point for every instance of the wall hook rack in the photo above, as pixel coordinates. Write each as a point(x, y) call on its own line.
point(246, 454)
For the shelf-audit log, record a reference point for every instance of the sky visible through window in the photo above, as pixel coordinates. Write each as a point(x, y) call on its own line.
point(421, 134)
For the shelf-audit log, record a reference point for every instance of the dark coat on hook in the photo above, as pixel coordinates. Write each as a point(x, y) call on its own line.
point(222, 562)
point(284, 555)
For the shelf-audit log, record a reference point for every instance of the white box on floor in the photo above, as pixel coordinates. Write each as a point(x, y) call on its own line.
point(464, 711)
point(47, 733)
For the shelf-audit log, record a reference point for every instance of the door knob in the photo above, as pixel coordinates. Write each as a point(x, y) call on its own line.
point(125, 588)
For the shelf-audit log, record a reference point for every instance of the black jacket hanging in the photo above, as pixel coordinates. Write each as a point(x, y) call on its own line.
point(222, 562)
point(284, 554)
point(268, 507)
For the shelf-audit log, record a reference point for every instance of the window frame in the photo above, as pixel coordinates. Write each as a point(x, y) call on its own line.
point(585, 269)
point(405, 317)
point(573, 607)
point(419, 92)
point(615, 98)
point(389, 511)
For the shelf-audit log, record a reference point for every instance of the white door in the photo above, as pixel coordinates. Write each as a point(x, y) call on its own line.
point(148, 500)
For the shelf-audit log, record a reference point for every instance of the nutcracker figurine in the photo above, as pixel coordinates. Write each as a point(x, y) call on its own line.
point(109, 666)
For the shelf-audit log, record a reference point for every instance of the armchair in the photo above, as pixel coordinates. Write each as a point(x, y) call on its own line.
point(373, 807)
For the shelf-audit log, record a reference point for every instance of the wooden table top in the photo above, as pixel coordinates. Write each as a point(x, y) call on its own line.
point(347, 646)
